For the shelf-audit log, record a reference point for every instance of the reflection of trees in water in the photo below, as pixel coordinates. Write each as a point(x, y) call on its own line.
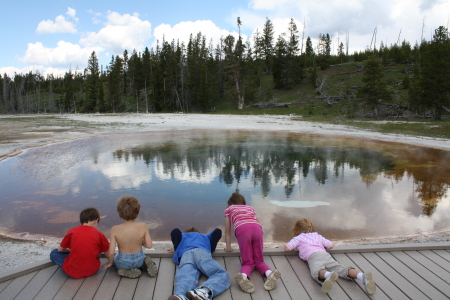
point(429, 170)
point(282, 161)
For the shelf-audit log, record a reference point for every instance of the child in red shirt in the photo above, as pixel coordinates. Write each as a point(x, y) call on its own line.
point(78, 253)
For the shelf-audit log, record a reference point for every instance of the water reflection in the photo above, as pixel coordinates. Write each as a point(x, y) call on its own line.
point(351, 188)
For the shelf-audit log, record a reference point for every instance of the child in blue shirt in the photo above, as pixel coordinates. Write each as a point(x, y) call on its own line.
point(192, 252)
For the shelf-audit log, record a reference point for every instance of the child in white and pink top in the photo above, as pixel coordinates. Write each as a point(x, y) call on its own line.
point(324, 269)
point(250, 238)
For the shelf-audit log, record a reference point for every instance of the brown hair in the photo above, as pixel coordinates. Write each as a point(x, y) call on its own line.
point(128, 207)
point(236, 199)
point(191, 229)
point(302, 226)
point(89, 214)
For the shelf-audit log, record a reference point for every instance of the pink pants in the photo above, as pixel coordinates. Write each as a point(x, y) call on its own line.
point(250, 240)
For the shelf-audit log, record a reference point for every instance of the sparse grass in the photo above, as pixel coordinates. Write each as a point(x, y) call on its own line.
point(437, 129)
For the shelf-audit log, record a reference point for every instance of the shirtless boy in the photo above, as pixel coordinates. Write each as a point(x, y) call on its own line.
point(130, 236)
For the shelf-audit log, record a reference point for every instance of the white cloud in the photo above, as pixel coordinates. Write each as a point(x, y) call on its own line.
point(121, 32)
point(65, 55)
point(268, 4)
point(183, 30)
point(60, 25)
point(72, 13)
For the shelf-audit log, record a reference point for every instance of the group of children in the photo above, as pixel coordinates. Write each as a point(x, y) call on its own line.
point(79, 251)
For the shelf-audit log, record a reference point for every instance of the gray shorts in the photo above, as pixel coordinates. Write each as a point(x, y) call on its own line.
point(324, 261)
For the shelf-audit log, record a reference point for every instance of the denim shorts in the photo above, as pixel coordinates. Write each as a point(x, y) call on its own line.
point(129, 261)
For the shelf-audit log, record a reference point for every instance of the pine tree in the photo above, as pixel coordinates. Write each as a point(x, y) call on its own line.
point(267, 44)
point(92, 84)
point(435, 75)
point(374, 88)
point(309, 52)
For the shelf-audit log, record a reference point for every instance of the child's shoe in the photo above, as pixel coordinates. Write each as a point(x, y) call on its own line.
point(150, 266)
point(130, 273)
point(198, 294)
point(177, 297)
point(369, 283)
point(271, 281)
point(244, 283)
point(328, 283)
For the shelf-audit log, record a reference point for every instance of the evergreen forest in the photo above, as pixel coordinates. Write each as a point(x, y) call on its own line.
point(396, 81)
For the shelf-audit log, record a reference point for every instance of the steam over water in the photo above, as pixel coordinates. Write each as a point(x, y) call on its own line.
point(350, 188)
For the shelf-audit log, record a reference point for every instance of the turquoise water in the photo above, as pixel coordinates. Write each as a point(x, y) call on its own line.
point(349, 188)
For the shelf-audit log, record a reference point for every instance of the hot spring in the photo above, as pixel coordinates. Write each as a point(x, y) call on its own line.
point(350, 188)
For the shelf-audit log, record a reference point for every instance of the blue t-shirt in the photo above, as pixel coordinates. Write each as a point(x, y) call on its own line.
point(192, 240)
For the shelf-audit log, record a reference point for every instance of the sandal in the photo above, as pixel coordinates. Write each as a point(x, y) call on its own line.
point(130, 273)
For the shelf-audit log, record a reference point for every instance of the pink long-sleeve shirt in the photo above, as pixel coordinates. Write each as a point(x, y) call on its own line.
point(309, 243)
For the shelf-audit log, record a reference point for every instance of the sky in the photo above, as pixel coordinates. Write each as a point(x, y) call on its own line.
point(55, 36)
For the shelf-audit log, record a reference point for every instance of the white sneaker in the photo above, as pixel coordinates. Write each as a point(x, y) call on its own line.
point(198, 294)
point(369, 283)
point(328, 283)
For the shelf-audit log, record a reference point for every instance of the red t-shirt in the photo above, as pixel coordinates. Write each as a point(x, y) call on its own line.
point(85, 244)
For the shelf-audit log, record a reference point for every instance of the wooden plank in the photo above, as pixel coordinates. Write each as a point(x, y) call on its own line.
point(444, 254)
point(293, 285)
point(91, 284)
point(430, 265)
point(125, 289)
point(226, 295)
point(38, 281)
point(439, 260)
point(11, 274)
point(52, 286)
point(16, 286)
point(355, 288)
point(108, 285)
point(166, 279)
point(258, 281)
point(389, 247)
point(398, 279)
point(431, 278)
point(304, 275)
point(383, 282)
point(233, 265)
point(280, 292)
point(4, 284)
point(69, 289)
point(408, 273)
point(146, 284)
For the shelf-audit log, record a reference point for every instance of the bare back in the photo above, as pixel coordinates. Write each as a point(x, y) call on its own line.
point(131, 236)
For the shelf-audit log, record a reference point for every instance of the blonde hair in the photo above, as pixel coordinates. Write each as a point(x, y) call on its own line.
point(236, 199)
point(302, 226)
point(128, 207)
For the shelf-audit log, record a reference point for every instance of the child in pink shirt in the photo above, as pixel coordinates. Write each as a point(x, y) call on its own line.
point(249, 235)
point(324, 269)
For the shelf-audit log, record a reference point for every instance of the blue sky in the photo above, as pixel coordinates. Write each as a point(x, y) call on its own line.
point(57, 35)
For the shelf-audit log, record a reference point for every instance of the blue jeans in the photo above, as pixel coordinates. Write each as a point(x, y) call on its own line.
point(58, 257)
point(129, 261)
point(192, 263)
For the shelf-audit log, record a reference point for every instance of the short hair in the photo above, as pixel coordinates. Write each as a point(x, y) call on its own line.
point(89, 214)
point(128, 207)
point(302, 226)
point(191, 229)
point(236, 199)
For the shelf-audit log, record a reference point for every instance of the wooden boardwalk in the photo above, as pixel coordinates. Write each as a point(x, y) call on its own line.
point(414, 271)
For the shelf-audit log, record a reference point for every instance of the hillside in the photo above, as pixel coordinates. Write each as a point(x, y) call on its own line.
point(335, 100)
